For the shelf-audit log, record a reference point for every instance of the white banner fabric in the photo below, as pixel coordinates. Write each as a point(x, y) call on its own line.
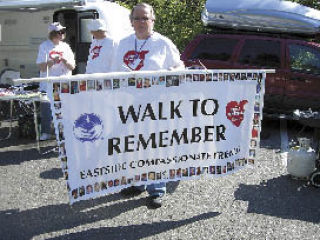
point(139, 130)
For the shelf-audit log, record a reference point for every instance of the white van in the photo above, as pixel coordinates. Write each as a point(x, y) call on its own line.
point(24, 25)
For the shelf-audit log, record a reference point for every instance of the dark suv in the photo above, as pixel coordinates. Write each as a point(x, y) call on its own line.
point(296, 83)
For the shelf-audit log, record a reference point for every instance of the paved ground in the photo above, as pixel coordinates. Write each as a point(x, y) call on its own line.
point(261, 203)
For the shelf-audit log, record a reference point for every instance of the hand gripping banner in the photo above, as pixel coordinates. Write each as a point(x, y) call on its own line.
point(128, 129)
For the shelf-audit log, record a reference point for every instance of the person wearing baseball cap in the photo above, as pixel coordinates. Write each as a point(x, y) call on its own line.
point(55, 58)
point(101, 50)
point(55, 26)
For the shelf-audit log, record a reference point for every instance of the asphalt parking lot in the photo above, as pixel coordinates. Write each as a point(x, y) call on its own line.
point(260, 203)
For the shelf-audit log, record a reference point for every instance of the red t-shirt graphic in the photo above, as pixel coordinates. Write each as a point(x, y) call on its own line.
point(96, 51)
point(135, 60)
point(53, 54)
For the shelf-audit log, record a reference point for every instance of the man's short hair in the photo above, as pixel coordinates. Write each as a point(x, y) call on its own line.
point(145, 5)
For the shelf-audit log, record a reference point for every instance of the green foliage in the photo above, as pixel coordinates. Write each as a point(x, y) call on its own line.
point(304, 61)
point(179, 20)
point(309, 3)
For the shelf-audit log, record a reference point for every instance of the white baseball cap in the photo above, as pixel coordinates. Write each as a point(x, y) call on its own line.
point(55, 26)
point(97, 25)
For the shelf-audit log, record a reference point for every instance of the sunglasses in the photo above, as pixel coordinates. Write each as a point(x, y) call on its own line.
point(61, 32)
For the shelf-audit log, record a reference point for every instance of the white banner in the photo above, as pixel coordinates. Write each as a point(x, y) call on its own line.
point(143, 128)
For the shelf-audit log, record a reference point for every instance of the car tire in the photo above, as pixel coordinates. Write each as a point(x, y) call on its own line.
point(315, 178)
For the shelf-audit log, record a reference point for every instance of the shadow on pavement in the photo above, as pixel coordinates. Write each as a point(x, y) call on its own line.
point(54, 173)
point(15, 150)
point(282, 197)
point(135, 231)
point(172, 186)
point(26, 224)
point(17, 157)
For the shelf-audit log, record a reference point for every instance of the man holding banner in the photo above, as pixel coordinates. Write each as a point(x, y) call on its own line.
point(146, 50)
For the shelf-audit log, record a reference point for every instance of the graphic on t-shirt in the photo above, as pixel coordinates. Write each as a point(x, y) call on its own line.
point(135, 60)
point(96, 51)
point(54, 54)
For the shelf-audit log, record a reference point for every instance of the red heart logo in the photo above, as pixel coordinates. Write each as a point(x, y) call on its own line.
point(235, 111)
point(135, 60)
point(55, 54)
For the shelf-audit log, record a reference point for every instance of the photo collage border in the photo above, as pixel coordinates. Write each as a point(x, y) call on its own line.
point(165, 80)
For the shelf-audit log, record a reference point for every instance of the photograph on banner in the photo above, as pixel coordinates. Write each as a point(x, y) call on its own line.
point(153, 132)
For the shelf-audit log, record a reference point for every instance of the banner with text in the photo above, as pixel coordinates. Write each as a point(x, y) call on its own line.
point(121, 130)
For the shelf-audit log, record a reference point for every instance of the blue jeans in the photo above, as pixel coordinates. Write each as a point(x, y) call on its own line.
point(46, 117)
point(156, 189)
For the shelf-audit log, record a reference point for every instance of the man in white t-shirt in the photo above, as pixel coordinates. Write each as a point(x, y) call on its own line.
point(55, 58)
point(146, 50)
point(101, 50)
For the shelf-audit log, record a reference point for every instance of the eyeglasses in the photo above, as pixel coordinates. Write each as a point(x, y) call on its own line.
point(61, 32)
point(142, 19)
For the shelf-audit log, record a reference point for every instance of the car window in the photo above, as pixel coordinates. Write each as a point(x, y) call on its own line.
point(214, 49)
point(304, 59)
point(261, 53)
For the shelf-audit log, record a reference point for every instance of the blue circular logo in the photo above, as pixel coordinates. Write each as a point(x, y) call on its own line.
point(88, 127)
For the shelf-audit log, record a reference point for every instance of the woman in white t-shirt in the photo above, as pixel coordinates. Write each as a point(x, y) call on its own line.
point(55, 58)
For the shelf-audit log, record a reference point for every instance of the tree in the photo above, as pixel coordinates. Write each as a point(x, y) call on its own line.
point(309, 3)
point(179, 20)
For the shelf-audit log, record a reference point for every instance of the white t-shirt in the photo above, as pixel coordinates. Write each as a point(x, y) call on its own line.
point(155, 53)
point(47, 51)
point(101, 54)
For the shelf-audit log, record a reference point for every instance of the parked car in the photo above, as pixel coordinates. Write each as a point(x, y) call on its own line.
point(296, 83)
